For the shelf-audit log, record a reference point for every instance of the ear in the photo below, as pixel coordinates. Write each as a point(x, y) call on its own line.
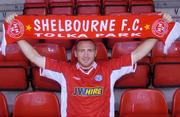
point(75, 53)
point(95, 52)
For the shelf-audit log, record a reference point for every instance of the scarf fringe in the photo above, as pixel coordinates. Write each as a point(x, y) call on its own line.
point(173, 35)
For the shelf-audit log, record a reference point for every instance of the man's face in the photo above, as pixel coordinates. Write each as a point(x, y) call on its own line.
point(85, 53)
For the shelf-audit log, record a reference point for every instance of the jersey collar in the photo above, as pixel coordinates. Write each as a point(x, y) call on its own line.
point(93, 66)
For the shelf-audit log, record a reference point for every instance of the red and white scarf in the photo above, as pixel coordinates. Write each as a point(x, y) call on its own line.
point(142, 26)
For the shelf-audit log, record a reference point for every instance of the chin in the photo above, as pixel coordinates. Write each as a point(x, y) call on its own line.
point(86, 64)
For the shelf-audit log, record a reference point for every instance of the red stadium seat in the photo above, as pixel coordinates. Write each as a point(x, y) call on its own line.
point(126, 48)
point(112, 41)
point(166, 67)
point(61, 7)
point(173, 54)
point(141, 6)
point(68, 44)
point(35, 11)
point(141, 77)
point(143, 103)
point(36, 104)
point(35, 7)
point(3, 106)
point(13, 69)
point(35, 1)
point(113, 7)
point(176, 104)
point(58, 3)
point(101, 53)
point(88, 10)
point(61, 11)
point(52, 51)
point(88, 7)
point(88, 2)
point(33, 41)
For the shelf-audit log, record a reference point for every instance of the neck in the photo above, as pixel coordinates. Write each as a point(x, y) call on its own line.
point(86, 68)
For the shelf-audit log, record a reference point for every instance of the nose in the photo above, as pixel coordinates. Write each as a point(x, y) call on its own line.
point(86, 54)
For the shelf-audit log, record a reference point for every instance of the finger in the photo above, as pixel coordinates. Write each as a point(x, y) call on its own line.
point(167, 17)
point(10, 18)
point(161, 14)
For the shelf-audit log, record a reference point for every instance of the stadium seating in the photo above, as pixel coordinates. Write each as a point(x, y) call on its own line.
point(61, 7)
point(112, 41)
point(141, 6)
point(176, 104)
point(52, 51)
point(166, 67)
point(36, 104)
point(13, 69)
point(141, 77)
point(143, 103)
point(3, 106)
point(114, 7)
point(35, 7)
point(101, 53)
point(88, 7)
point(67, 44)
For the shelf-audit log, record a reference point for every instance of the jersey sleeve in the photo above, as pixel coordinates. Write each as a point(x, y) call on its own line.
point(121, 66)
point(53, 70)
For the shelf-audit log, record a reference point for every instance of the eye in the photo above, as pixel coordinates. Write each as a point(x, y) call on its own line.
point(81, 50)
point(91, 50)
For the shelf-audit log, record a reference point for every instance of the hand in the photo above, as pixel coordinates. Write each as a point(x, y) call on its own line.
point(167, 17)
point(10, 18)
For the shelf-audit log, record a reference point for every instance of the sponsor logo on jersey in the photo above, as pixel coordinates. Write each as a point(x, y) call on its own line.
point(98, 78)
point(88, 91)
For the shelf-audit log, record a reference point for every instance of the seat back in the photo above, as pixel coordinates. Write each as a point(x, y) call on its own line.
point(16, 64)
point(140, 78)
point(173, 54)
point(53, 51)
point(141, 6)
point(35, 104)
point(14, 53)
point(88, 7)
point(121, 48)
point(143, 102)
point(3, 106)
point(112, 7)
point(67, 44)
point(166, 66)
point(61, 7)
point(176, 104)
point(35, 7)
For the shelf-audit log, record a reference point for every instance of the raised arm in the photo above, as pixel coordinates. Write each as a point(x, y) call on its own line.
point(143, 49)
point(32, 54)
point(28, 50)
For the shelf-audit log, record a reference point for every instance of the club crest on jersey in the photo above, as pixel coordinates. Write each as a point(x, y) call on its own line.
point(88, 91)
point(98, 78)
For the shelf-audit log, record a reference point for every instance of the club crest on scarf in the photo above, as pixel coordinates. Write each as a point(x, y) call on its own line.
point(160, 28)
point(15, 29)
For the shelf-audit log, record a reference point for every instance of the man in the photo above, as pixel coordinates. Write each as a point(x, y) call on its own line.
point(87, 86)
